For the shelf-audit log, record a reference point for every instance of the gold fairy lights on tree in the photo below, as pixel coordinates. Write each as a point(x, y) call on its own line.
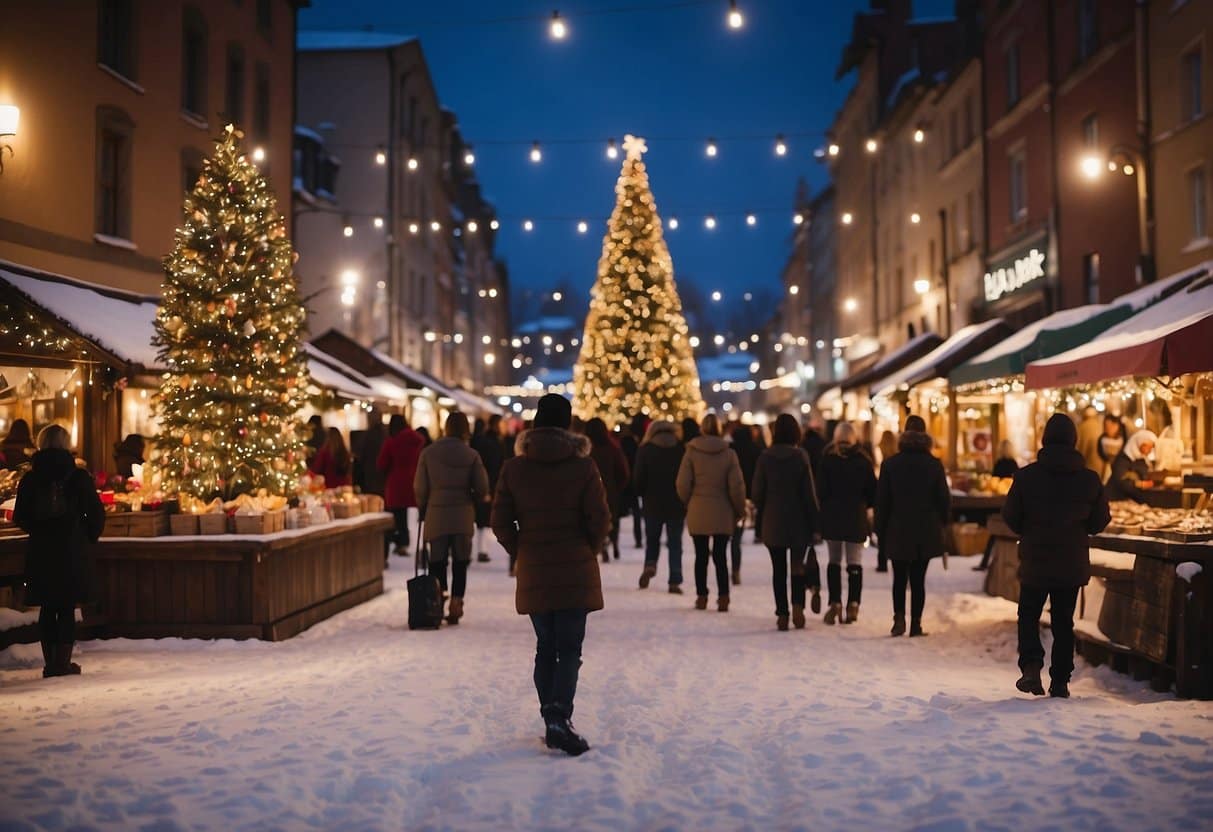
point(229, 329)
point(636, 352)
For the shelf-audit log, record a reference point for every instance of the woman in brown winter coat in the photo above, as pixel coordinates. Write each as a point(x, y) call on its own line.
point(711, 486)
point(613, 468)
point(550, 513)
point(450, 481)
point(786, 502)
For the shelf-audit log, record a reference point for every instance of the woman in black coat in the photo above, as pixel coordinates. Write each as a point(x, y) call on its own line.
point(486, 442)
point(846, 487)
point(786, 504)
point(913, 504)
point(1053, 505)
point(58, 507)
point(747, 451)
point(653, 481)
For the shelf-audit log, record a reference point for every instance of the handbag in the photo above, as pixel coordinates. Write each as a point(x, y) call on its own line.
point(425, 593)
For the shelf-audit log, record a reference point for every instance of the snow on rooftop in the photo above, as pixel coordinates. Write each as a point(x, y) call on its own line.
point(962, 338)
point(1023, 338)
point(342, 41)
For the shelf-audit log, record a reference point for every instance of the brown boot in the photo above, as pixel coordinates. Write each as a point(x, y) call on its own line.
point(852, 614)
point(722, 604)
point(798, 617)
point(833, 613)
point(647, 575)
point(701, 602)
point(781, 623)
point(456, 611)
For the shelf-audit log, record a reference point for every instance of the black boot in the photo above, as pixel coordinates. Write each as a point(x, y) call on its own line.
point(67, 667)
point(916, 628)
point(854, 591)
point(1058, 688)
point(50, 658)
point(560, 733)
point(1029, 681)
point(834, 583)
point(899, 626)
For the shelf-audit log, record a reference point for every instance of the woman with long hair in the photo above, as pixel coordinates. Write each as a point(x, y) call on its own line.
point(613, 468)
point(710, 485)
point(846, 486)
point(786, 503)
point(333, 461)
point(398, 462)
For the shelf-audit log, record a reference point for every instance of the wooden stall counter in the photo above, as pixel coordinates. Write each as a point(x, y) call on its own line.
point(266, 586)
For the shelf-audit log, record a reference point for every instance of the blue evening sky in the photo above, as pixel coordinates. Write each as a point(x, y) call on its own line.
point(673, 75)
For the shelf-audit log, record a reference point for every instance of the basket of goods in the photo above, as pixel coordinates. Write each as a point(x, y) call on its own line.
point(345, 504)
point(371, 503)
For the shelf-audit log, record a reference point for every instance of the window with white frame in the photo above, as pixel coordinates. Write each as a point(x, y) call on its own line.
point(1198, 203)
point(1018, 185)
point(1191, 84)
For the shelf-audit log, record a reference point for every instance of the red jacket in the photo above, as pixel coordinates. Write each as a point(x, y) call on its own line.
point(398, 461)
point(326, 464)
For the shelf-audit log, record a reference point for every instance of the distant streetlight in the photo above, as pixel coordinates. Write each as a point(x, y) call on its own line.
point(1091, 167)
point(735, 18)
point(557, 27)
point(716, 296)
point(850, 305)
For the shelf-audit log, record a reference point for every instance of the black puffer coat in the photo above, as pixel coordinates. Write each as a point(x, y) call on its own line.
point(747, 454)
point(1053, 505)
point(846, 487)
point(655, 474)
point(58, 560)
point(913, 503)
point(784, 495)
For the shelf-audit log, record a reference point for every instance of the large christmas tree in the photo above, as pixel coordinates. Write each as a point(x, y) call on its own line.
point(229, 329)
point(636, 353)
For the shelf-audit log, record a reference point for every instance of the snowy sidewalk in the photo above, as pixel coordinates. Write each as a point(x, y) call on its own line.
point(699, 720)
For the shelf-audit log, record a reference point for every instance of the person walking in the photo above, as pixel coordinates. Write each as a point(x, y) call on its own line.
point(653, 478)
point(629, 443)
point(333, 461)
point(888, 449)
point(1131, 468)
point(711, 486)
point(613, 468)
point(1005, 466)
point(785, 502)
point(813, 442)
point(58, 507)
point(17, 445)
point(550, 512)
point(913, 504)
point(368, 476)
point(747, 451)
point(486, 442)
point(398, 462)
point(846, 487)
point(690, 429)
point(449, 483)
point(1054, 505)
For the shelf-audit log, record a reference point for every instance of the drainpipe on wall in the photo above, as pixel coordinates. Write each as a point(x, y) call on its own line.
point(1145, 176)
point(1054, 298)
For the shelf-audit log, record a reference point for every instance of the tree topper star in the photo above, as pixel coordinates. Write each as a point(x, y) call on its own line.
point(634, 146)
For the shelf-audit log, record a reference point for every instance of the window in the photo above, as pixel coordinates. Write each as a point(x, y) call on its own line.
point(1090, 277)
point(1018, 186)
point(114, 132)
point(1198, 205)
point(265, 16)
point(261, 102)
point(233, 104)
point(1191, 84)
point(1088, 29)
point(1090, 131)
point(1012, 69)
point(191, 168)
point(116, 36)
point(193, 63)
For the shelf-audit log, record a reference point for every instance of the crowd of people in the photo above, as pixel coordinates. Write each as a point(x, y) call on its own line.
point(555, 496)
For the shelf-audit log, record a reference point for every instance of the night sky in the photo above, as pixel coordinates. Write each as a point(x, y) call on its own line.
point(673, 75)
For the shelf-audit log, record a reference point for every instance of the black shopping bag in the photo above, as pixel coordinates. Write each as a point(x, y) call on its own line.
point(425, 593)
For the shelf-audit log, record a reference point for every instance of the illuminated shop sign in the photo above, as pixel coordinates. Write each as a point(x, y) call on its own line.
point(1018, 273)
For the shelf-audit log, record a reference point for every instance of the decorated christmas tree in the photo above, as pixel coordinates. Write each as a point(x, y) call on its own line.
point(636, 353)
point(229, 329)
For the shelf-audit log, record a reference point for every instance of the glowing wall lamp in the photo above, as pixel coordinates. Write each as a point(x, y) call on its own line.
point(10, 115)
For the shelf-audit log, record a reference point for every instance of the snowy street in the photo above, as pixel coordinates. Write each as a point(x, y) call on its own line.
point(698, 720)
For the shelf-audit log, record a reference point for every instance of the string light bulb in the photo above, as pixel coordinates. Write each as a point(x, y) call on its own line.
point(850, 305)
point(469, 158)
point(582, 227)
point(716, 298)
point(347, 230)
point(672, 222)
point(710, 150)
point(557, 27)
point(847, 218)
point(536, 153)
point(920, 136)
point(380, 156)
point(258, 154)
point(750, 219)
point(493, 224)
point(412, 163)
point(833, 149)
point(377, 222)
point(435, 226)
point(735, 19)
point(709, 222)
point(798, 219)
point(612, 152)
point(915, 218)
point(527, 225)
point(871, 146)
point(473, 227)
point(781, 147)
point(922, 286)
point(793, 289)
point(413, 228)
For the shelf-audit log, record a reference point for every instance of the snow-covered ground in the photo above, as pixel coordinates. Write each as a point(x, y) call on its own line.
point(699, 720)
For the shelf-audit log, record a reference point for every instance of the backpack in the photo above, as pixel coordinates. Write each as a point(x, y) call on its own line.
point(56, 502)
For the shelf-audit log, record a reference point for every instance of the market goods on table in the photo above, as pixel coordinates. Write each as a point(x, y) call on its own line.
point(1178, 524)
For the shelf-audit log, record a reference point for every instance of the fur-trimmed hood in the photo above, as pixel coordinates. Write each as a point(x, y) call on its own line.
point(551, 444)
point(708, 445)
point(661, 433)
point(915, 442)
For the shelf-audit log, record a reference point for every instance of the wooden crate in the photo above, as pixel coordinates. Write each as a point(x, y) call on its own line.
point(180, 524)
point(212, 523)
point(252, 523)
point(969, 539)
point(344, 511)
point(147, 524)
point(117, 524)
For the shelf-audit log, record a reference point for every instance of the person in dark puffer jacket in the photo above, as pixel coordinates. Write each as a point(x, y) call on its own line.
point(846, 486)
point(653, 480)
point(1053, 505)
point(913, 505)
point(550, 513)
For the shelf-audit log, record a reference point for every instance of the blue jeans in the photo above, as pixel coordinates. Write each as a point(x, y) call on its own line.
point(652, 545)
point(558, 655)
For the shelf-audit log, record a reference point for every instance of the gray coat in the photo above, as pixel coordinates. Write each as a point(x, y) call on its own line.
point(711, 486)
point(784, 495)
point(450, 480)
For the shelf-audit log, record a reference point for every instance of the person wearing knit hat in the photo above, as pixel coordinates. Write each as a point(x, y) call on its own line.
point(550, 514)
point(1054, 505)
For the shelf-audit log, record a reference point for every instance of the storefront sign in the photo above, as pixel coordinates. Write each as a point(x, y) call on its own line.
point(1014, 276)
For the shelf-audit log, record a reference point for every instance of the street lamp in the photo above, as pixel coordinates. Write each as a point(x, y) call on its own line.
point(1132, 161)
point(10, 117)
